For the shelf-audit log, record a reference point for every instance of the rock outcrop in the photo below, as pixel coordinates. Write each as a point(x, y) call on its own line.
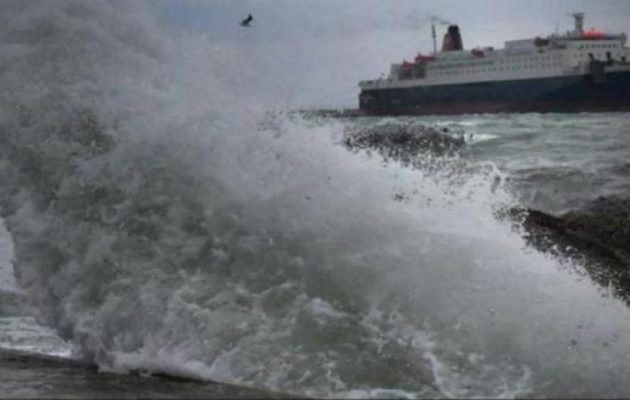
point(597, 236)
point(404, 141)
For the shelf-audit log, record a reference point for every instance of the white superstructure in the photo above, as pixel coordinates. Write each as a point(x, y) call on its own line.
point(554, 56)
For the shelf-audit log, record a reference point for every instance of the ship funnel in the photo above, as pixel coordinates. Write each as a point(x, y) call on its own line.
point(452, 39)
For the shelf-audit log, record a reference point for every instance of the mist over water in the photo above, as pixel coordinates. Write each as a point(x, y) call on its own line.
point(163, 220)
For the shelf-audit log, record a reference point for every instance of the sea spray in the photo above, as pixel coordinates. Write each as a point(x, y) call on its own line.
point(161, 224)
point(128, 237)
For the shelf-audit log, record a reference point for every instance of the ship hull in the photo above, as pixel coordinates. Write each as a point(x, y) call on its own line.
point(578, 93)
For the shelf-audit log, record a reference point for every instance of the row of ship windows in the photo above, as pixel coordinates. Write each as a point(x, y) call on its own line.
point(506, 61)
point(523, 60)
point(584, 56)
point(599, 46)
point(530, 59)
point(499, 69)
point(597, 55)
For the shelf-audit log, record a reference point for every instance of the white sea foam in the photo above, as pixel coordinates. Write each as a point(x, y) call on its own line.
point(24, 333)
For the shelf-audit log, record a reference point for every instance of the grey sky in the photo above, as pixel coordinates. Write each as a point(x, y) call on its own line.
point(313, 52)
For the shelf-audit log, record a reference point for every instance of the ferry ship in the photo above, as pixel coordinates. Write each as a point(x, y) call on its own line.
point(582, 70)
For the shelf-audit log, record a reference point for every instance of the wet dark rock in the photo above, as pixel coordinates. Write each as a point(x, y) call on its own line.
point(598, 236)
point(331, 113)
point(404, 141)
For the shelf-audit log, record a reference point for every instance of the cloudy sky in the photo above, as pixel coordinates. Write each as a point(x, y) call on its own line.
point(314, 52)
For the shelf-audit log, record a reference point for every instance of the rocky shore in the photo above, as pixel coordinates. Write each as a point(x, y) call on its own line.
point(596, 236)
point(331, 113)
point(404, 141)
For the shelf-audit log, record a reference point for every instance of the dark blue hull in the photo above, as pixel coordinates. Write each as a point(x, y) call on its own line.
point(610, 92)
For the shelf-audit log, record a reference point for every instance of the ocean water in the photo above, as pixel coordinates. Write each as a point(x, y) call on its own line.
point(158, 217)
point(555, 162)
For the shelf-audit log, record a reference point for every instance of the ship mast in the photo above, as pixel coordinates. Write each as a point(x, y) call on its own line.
point(441, 22)
point(579, 23)
point(434, 37)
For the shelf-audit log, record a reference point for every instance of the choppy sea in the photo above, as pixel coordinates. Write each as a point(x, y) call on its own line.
point(153, 219)
point(436, 299)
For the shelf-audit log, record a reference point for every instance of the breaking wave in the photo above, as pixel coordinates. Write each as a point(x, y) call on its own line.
point(162, 220)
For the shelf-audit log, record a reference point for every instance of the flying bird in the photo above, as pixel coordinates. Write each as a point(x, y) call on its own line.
point(247, 21)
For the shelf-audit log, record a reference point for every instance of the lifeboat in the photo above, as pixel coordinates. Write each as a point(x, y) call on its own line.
point(593, 34)
point(406, 65)
point(424, 59)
